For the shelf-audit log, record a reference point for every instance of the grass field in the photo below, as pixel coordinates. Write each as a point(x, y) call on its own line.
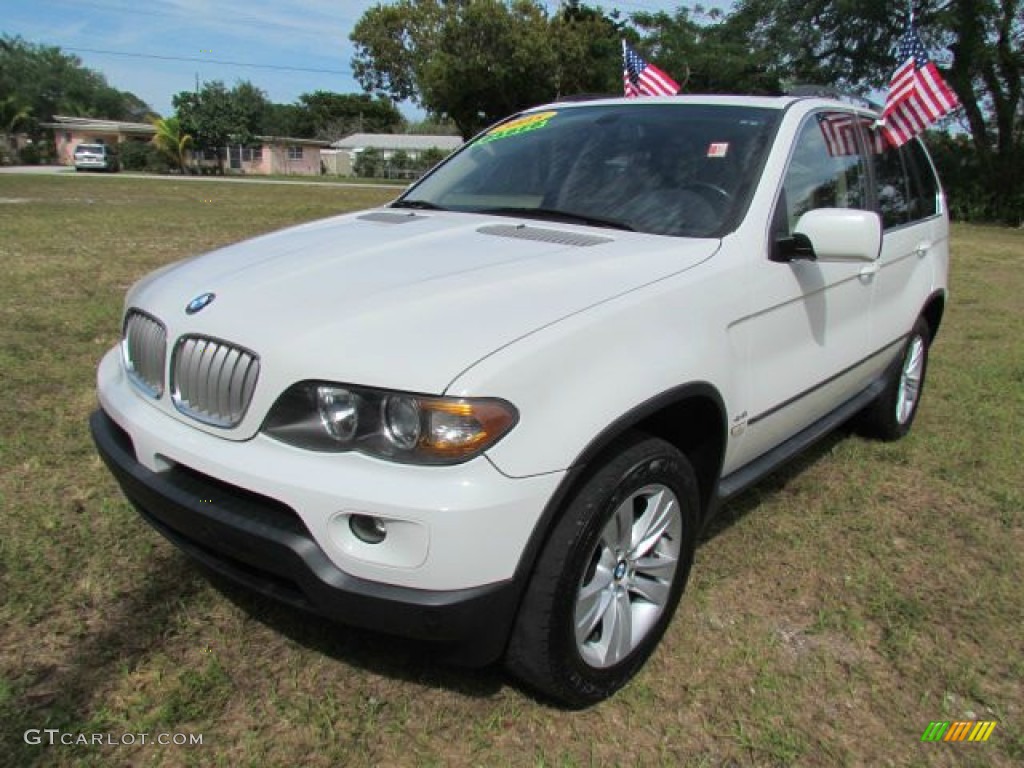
point(291, 178)
point(833, 612)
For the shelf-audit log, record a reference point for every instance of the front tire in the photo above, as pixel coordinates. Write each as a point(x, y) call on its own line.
point(609, 577)
point(892, 414)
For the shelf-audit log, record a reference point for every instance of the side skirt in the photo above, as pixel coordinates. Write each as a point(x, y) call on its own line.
point(746, 476)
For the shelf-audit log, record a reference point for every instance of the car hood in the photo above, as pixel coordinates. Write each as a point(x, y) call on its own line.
point(400, 299)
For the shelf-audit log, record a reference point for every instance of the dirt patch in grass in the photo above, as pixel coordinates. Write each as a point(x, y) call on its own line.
point(834, 611)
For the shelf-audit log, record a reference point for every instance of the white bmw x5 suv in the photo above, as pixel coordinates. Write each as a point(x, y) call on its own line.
point(495, 413)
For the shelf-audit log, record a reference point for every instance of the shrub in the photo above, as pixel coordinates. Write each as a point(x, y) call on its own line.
point(142, 156)
point(371, 164)
point(29, 155)
point(974, 192)
point(368, 164)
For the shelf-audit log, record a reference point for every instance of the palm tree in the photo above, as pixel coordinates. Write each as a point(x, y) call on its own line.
point(13, 114)
point(171, 140)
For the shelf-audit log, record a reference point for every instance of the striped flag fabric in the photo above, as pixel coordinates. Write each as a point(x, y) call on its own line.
point(642, 79)
point(839, 130)
point(918, 96)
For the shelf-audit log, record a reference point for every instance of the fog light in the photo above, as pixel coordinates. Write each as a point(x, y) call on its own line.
point(371, 530)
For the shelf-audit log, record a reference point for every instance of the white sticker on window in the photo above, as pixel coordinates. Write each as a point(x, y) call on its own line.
point(718, 149)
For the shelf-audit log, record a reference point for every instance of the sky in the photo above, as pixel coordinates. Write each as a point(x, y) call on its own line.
point(299, 45)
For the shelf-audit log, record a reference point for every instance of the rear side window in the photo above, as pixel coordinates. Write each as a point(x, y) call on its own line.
point(893, 187)
point(925, 200)
point(905, 183)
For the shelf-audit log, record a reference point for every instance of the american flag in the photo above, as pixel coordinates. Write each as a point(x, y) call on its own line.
point(642, 79)
point(918, 96)
point(840, 132)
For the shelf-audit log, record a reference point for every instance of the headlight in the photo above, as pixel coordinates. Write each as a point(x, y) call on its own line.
point(339, 412)
point(401, 417)
point(403, 427)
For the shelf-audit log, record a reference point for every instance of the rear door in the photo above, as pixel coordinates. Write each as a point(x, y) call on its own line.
point(915, 237)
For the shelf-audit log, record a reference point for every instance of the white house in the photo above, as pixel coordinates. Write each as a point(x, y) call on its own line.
point(342, 154)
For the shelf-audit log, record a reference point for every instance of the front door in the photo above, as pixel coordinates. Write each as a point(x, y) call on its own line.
point(809, 327)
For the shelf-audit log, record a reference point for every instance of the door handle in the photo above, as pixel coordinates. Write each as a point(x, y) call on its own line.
point(922, 248)
point(869, 270)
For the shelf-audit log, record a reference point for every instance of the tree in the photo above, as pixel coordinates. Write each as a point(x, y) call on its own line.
point(476, 61)
point(249, 105)
point(400, 161)
point(46, 82)
point(588, 46)
point(13, 114)
point(327, 115)
point(492, 59)
point(368, 164)
point(216, 117)
point(428, 158)
point(333, 115)
point(171, 140)
point(288, 120)
point(707, 52)
point(975, 43)
point(432, 126)
point(13, 117)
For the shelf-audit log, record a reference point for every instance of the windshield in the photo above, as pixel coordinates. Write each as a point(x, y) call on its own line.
point(92, 149)
point(665, 169)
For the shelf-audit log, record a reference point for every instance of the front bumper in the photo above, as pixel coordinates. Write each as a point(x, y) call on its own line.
point(450, 528)
point(262, 544)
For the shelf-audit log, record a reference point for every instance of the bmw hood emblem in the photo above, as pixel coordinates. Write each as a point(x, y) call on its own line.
point(199, 302)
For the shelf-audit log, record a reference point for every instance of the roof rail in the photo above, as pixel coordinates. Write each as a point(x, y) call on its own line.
point(572, 97)
point(809, 90)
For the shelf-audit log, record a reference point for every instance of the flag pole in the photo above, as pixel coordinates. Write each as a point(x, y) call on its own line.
point(625, 75)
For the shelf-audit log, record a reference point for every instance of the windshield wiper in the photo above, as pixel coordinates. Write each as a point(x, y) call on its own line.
point(553, 214)
point(423, 205)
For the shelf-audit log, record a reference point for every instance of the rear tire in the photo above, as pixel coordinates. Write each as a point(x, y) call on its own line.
point(609, 577)
point(892, 414)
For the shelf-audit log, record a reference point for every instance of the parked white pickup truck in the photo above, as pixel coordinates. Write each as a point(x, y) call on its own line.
point(495, 413)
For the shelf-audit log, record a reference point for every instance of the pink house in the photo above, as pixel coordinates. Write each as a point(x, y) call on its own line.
point(278, 155)
point(69, 132)
point(272, 154)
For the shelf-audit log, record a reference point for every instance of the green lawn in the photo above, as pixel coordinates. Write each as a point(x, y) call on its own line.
point(833, 612)
point(323, 179)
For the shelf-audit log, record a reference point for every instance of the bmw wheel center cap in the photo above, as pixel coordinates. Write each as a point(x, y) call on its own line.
point(199, 302)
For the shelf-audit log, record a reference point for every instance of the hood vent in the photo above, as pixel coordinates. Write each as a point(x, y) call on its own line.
point(385, 217)
point(538, 234)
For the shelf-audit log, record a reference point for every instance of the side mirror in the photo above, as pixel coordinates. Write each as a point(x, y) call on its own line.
point(839, 234)
point(795, 247)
